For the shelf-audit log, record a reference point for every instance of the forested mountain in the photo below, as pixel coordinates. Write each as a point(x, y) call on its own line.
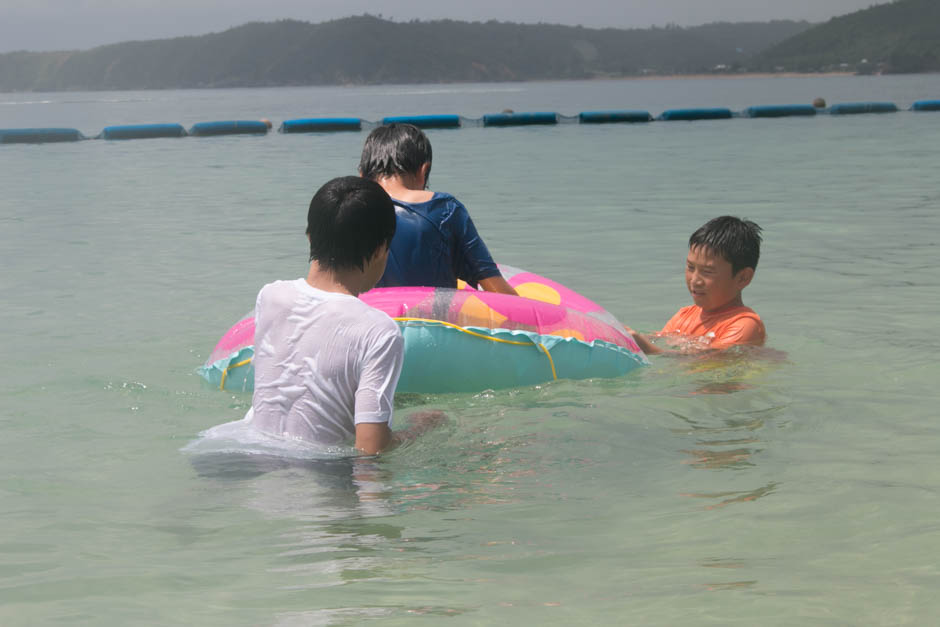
point(369, 50)
point(903, 36)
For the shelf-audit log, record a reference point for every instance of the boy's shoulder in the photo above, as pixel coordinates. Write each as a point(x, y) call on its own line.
point(298, 299)
point(739, 312)
point(283, 293)
point(276, 290)
point(440, 201)
point(445, 208)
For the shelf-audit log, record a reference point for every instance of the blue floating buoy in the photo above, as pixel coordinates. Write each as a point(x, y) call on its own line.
point(780, 111)
point(519, 119)
point(695, 114)
point(38, 135)
point(425, 121)
point(926, 105)
point(855, 108)
point(230, 127)
point(143, 131)
point(320, 125)
point(607, 117)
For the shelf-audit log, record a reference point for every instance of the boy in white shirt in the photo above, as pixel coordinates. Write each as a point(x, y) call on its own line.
point(326, 364)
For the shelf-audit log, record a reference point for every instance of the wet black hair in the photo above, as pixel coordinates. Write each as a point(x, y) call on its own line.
point(736, 240)
point(394, 149)
point(349, 219)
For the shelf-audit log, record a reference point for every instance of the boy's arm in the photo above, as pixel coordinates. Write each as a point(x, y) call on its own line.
point(474, 257)
point(375, 396)
point(373, 437)
point(497, 284)
point(643, 342)
point(747, 330)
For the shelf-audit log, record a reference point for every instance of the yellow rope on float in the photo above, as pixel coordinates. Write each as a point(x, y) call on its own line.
point(244, 362)
point(551, 362)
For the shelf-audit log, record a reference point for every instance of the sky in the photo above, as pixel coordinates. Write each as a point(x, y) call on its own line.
point(81, 24)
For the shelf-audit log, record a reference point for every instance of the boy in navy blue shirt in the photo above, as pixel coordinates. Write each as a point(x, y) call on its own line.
point(436, 242)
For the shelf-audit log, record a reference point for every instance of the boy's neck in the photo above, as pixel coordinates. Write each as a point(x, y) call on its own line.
point(349, 282)
point(737, 301)
point(408, 187)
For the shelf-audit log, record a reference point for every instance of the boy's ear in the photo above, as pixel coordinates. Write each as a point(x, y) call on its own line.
point(743, 277)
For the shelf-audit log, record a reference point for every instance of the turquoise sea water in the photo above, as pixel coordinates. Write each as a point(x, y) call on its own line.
point(798, 485)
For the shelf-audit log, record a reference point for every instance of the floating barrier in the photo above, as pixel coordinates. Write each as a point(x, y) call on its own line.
point(688, 115)
point(856, 108)
point(779, 111)
point(519, 119)
point(608, 117)
point(320, 125)
point(926, 105)
point(425, 121)
point(464, 340)
point(38, 135)
point(143, 131)
point(231, 127)
point(313, 125)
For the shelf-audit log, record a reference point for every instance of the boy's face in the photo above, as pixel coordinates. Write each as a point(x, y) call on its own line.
point(710, 281)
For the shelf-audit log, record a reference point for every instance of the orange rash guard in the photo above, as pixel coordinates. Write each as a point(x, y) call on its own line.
point(725, 327)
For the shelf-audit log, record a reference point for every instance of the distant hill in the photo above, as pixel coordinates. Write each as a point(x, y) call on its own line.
point(900, 37)
point(369, 50)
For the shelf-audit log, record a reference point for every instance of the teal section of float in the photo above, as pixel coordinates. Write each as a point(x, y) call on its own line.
point(476, 364)
point(234, 373)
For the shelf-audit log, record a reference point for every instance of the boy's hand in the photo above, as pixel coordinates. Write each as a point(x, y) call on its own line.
point(425, 420)
point(373, 438)
point(643, 342)
point(421, 421)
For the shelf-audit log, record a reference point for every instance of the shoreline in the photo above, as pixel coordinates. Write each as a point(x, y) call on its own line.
point(650, 77)
point(741, 75)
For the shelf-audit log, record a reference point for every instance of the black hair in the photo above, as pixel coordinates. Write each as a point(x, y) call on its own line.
point(349, 219)
point(736, 240)
point(394, 149)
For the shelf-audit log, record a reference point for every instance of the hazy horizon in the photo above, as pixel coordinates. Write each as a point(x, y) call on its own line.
point(43, 25)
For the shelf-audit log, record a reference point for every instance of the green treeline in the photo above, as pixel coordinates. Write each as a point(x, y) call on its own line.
point(369, 50)
point(899, 37)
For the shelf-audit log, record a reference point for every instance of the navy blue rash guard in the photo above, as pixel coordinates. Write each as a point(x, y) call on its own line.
point(436, 243)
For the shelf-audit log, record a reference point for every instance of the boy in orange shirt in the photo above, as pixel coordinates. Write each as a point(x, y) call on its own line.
point(722, 259)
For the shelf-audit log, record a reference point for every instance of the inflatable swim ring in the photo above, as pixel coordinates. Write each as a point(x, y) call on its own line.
point(464, 340)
